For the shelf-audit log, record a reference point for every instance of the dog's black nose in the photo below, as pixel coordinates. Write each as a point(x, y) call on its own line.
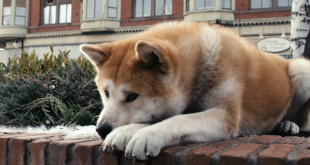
point(103, 130)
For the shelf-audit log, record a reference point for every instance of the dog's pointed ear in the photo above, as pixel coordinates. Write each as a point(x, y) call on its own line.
point(97, 54)
point(151, 54)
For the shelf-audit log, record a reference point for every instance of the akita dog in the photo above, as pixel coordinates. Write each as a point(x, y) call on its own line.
point(181, 82)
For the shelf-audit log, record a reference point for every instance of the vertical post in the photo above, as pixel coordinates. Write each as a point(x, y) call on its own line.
point(300, 29)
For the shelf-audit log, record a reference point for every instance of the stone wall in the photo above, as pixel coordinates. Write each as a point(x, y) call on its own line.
point(53, 149)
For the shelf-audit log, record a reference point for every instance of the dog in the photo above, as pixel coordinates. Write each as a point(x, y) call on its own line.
point(182, 82)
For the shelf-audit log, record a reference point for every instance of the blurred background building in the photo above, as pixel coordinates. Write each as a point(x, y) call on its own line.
point(37, 24)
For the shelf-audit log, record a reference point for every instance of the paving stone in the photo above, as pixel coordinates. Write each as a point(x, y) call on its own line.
point(87, 152)
point(265, 139)
point(308, 140)
point(106, 159)
point(61, 152)
point(202, 155)
point(38, 149)
point(239, 154)
point(4, 147)
point(303, 157)
point(290, 140)
point(168, 155)
point(19, 148)
point(275, 154)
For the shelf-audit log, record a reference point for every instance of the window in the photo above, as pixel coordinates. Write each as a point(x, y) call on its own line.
point(57, 11)
point(163, 7)
point(49, 13)
point(6, 14)
point(112, 8)
point(187, 6)
point(94, 9)
point(65, 13)
point(258, 4)
point(204, 4)
point(263, 4)
point(226, 4)
point(285, 3)
point(20, 12)
point(143, 8)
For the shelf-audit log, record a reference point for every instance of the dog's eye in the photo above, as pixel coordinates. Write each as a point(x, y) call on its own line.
point(131, 97)
point(107, 94)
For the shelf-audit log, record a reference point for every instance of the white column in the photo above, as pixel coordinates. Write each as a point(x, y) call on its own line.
point(300, 27)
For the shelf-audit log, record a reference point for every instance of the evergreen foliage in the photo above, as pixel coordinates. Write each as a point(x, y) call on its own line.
point(51, 91)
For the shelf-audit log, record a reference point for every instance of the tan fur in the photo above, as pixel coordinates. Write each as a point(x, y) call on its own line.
point(228, 86)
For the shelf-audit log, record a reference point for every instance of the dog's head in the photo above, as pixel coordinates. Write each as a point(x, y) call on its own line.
point(138, 81)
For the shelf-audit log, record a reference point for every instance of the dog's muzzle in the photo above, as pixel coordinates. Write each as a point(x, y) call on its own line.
point(103, 130)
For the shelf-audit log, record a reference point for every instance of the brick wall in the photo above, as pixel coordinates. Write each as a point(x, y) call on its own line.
point(76, 11)
point(126, 9)
point(243, 15)
point(35, 12)
point(127, 18)
point(36, 15)
point(242, 5)
point(55, 150)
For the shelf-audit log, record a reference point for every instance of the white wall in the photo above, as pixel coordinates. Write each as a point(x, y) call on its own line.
point(6, 54)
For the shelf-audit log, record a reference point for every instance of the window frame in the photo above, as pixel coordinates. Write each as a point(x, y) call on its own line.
point(49, 15)
point(67, 13)
point(153, 9)
point(142, 15)
point(57, 14)
point(22, 5)
point(109, 7)
point(274, 5)
point(24, 16)
point(164, 5)
point(4, 16)
point(187, 6)
point(288, 1)
point(94, 12)
point(204, 5)
point(230, 4)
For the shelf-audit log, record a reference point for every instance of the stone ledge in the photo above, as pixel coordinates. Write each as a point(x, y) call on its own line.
point(21, 148)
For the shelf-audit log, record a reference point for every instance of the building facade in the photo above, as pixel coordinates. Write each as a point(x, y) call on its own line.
point(37, 24)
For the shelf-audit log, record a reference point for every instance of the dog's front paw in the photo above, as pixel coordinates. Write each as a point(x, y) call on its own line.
point(119, 138)
point(289, 127)
point(146, 142)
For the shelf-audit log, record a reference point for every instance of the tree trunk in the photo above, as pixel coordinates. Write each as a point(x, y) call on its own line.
point(300, 29)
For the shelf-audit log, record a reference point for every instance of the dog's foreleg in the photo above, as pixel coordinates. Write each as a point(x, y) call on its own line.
point(213, 124)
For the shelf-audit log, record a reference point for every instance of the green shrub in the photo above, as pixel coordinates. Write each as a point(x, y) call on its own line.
point(51, 91)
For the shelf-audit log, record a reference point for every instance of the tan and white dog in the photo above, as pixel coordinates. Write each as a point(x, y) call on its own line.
point(184, 82)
